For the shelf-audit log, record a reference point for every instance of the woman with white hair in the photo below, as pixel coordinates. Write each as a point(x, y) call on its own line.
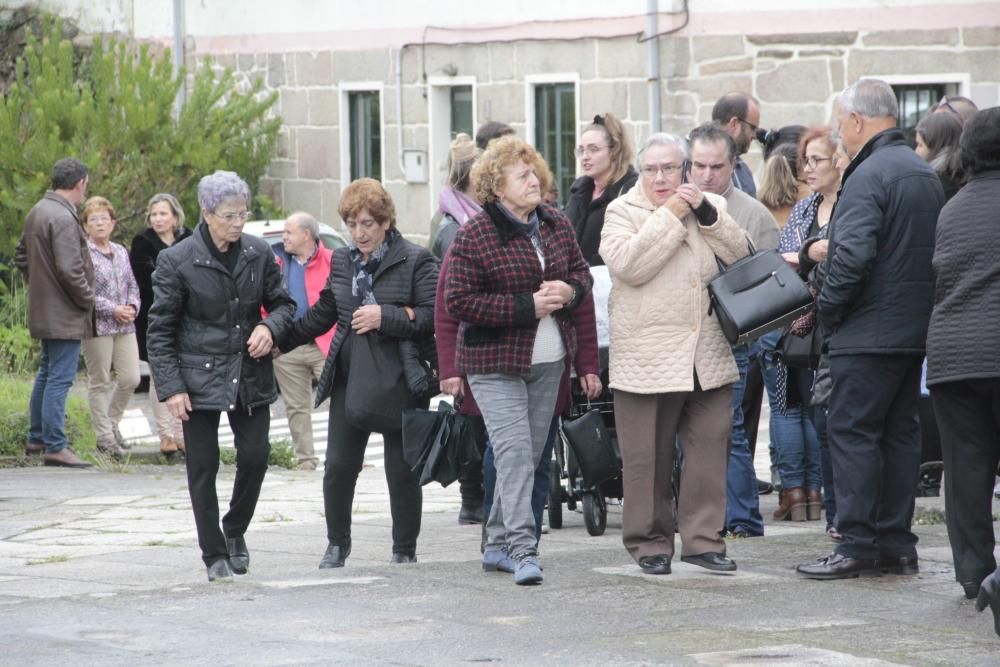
point(210, 352)
point(671, 368)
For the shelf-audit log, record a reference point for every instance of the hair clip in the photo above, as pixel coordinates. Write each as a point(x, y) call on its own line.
point(598, 119)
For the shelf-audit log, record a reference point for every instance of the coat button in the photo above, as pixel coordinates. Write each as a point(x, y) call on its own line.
point(235, 380)
point(237, 326)
point(208, 365)
point(232, 407)
point(237, 299)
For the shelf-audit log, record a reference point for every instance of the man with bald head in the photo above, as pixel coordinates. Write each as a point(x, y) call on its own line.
point(874, 309)
point(305, 265)
point(739, 116)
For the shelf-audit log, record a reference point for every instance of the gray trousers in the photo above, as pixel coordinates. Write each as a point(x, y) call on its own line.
point(505, 401)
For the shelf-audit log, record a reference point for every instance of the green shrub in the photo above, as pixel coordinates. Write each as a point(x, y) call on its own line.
point(112, 106)
point(282, 455)
point(14, 396)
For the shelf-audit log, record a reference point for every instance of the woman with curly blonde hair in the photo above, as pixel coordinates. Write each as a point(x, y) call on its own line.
point(516, 275)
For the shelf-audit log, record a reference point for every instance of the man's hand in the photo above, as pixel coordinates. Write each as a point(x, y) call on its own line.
point(819, 250)
point(260, 342)
point(367, 318)
point(591, 385)
point(546, 303)
point(179, 406)
point(452, 387)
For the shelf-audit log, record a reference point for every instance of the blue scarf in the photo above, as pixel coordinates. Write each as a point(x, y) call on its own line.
point(364, 271)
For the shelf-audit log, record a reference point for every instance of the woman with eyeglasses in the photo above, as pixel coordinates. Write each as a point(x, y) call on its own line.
point(605, 154)
point(671, 367)
point(210, 352)
point(380, 294)
point(165, 220)
point(112, 355)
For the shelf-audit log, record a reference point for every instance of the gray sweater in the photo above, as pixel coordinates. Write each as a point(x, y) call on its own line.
point(754, 218)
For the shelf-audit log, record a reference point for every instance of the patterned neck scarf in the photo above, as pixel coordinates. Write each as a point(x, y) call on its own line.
point(529, 229)
point(364, 271)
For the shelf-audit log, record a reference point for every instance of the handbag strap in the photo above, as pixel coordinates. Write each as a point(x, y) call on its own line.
point(723, 266)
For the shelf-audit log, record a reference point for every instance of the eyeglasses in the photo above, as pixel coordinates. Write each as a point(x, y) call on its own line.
point(945, 104)
point(651, 170)
point(812, 161)
point(592, 149)
point(232, 216)
point(753, 128)
point(367, 224)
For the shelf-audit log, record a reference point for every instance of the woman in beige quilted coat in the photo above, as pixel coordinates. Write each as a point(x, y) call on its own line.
point(671, 368)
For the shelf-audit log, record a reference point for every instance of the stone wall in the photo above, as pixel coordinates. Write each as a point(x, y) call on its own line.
point(795, 76)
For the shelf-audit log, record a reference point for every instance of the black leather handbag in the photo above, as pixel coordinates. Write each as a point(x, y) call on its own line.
point(801, 351)
point(757, 294)
point(591, 443)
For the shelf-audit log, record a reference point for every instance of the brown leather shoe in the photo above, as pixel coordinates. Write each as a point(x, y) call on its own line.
point(33, 448)
point(168, 446)
point(814, 505)
point(793, 505)
point(66, 458)
point(179, 444)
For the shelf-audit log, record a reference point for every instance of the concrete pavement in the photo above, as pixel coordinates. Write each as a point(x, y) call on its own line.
point(103, 568)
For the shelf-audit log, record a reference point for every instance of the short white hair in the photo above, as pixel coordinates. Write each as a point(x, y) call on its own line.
point(871, 98)
point(662, 139)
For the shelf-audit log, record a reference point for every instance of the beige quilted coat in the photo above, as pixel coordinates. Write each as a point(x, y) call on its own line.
point(658, 309)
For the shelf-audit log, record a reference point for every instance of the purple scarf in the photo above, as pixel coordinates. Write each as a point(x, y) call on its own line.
point(458, 205)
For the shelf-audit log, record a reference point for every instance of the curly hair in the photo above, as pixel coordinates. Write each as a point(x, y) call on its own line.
point(98, 205)
point(367, 194)
point(487, 173)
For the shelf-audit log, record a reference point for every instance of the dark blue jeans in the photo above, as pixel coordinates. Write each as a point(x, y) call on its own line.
point(829, 493)
point(743, 505)
point(792, 433)
point(47, 407)
point(543, 474)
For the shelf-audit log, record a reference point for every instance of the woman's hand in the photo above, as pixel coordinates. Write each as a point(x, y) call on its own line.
point(367, 318)
point(562, 289)
point(819, 250)
point(677, 205)
point(792, 258)
point(591, 385)
point(124, 314)
point(260, 342)
point(452, 387)
point(179, 406)
point(690, 193)
point(546, 303)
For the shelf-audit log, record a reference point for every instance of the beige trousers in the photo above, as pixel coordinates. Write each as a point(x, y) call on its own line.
point(112, 376)
point(647, 425)
point(167, 426)
point(295, 372)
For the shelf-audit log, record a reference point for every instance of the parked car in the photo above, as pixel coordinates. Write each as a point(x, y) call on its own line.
point(270, 231)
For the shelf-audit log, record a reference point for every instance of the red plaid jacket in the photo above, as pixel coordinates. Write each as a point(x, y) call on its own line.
point(494, 272)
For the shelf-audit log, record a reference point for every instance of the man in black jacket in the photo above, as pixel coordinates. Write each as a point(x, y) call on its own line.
point(875, 306)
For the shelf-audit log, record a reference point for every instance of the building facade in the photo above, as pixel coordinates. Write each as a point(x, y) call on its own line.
point(380, 89)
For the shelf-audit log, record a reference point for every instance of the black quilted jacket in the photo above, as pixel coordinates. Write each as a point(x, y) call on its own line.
point(202, 316)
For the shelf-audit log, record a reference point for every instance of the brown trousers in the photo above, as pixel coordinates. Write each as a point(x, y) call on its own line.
point(647, 425)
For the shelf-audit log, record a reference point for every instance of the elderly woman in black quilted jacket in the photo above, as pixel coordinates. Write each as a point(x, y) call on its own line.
point(380, 293)
point(210, 352)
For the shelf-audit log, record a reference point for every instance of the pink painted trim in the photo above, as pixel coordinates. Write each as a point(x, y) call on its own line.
point(702, 23)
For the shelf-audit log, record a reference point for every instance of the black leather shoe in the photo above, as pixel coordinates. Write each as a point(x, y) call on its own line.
point(398, 557)
point(836, 566)
point(899, 564)
point(470, 514)
point(712, 561)
point(658, 564)
point(220, 571)
point(971, 589)
point(239, 557)
point(335, 556)
point(989, 594)
point(764, 488)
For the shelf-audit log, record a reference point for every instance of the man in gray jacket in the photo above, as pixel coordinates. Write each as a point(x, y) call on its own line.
point(54, 258)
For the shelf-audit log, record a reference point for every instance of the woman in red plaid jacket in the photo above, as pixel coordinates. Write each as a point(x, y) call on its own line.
point(516, 275)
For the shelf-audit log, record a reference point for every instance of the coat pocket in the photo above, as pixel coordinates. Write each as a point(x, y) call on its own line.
point(198, 371)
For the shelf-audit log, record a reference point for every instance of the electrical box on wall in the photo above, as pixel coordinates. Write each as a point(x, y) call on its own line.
point(415, 166)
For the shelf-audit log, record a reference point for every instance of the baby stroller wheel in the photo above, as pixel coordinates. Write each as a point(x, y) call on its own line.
point(555, 496)
point(595, 513)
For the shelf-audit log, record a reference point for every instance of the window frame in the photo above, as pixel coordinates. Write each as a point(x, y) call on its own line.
point(436, 153)
point(346, 88)
point(531, 82)
point(962, 81)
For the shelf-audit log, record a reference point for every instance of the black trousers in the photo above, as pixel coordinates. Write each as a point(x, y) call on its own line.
point(470, 483)
point(345, 456)
point(201, 437)
point(968, 417)
point(874, 437)
point(753, 395)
